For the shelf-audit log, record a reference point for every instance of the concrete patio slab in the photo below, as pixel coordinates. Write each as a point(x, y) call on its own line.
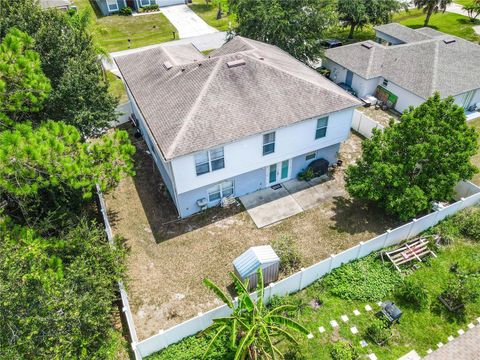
point(305, 195)
point(269, 206)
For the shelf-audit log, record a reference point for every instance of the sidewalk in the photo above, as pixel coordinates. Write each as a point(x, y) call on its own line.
point(186, 21)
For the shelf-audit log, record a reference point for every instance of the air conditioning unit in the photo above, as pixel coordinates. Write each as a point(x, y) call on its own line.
point(202, 203)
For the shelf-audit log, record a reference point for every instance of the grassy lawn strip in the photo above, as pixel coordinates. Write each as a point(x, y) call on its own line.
point(449, 23)
point(476, 158)
point(209, 14)
point(464, 2)
point(368, 281)
point(116, 88)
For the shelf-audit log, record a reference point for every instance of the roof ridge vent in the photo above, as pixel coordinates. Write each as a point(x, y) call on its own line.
point(449, 40)
point(367, 45)
point(235, 63)
point(167, 65)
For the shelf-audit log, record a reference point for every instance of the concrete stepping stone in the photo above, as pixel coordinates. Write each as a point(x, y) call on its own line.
point(354, 330)
point(344, 318)
point(372, 356)
point(450, 338)
point(333, 323)
point(310, 336)
point(440, 344)
point(368, 308)
point(461, 332)
point(478, 320)
point(429, 351)
point(321, 329)
point(379, 303)
point(356, 312)
point(363, 343)
point(471, 326)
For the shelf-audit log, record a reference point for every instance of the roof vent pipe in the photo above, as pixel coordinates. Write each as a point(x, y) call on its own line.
point(235, 63)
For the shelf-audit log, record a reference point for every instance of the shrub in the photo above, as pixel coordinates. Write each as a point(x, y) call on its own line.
point(365, 279)
point(469, 223)
point(125, 11)
point(286, 249)
point(306, 175)
point(379, 331)
point(413, 294)
point(342, 350)
point(149, 8)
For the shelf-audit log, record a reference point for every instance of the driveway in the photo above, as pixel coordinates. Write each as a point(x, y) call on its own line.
point(186, 21)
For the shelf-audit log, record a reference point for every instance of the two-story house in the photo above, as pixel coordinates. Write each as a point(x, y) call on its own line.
point(245, 117)
point(406, 66)
point(109, 7)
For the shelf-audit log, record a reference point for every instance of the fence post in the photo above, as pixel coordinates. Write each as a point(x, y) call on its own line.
point(413, 222)
point(136, 351)
point(332, 256)
point(360, 249)
point(302, 271)
point(386, 237)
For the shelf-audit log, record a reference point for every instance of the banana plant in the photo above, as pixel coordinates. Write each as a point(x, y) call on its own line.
point(253, 329)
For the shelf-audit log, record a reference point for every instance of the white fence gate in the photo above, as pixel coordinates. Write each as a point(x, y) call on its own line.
point(363, 124)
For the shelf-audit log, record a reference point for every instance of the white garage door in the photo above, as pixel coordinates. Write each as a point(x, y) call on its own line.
point(169, 2)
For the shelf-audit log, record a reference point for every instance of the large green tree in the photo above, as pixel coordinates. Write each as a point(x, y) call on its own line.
point(23, 85)
point(431, 6)
point(69, 58)
point(417, 160)
point(57, 294)
point(294, 26)
point(253, 328)
point(358, 13)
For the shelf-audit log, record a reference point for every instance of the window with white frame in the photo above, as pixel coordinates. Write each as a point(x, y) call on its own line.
point(220, 190)
point(210, 160)
point(310, 156)
point(268, 143)
point(144, 2)
point(112, 5)
point(322, 125)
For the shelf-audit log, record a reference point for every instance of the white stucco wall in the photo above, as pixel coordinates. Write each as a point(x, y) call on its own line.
point(460, 99)
point(405, 97)
point(246, 155)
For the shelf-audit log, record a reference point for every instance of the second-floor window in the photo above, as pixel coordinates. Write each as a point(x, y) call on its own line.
point(268, 143)
point(210, 160)
point(322, 125)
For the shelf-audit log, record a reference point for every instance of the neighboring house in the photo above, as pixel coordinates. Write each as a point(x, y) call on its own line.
point(246, 117)
point(108, 7)
point(57, 4)
point(407, 66)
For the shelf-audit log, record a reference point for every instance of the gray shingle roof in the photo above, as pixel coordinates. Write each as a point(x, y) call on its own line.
point(402, 33)
point(201, 104)
point(422, 67)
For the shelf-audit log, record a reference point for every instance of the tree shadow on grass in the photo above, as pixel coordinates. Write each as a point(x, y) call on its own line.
point(355, 216)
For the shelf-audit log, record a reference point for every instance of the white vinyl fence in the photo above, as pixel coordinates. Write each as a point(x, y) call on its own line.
point(468, 195)
point(123, 294)
point(364, 124)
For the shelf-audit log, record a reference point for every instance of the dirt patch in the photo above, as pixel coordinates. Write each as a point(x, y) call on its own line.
point(381, 116)
point(169, 258)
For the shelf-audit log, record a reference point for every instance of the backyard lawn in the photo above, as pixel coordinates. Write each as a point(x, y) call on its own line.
point(449, 23)
point(116, 88)
point(476, 158)
point(209, 14)
point(114, 31)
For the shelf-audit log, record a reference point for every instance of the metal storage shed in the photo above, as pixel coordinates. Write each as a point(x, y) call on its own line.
point(246, 265)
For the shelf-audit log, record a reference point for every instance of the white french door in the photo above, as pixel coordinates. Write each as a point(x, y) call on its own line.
point(278, 172)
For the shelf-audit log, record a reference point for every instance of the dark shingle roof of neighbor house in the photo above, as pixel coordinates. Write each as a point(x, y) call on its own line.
point(401, 32)
point(192, 102)
point(421, 67)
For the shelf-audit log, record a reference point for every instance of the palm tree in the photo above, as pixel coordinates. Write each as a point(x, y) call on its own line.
point(431, 6)
point(253, 329)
